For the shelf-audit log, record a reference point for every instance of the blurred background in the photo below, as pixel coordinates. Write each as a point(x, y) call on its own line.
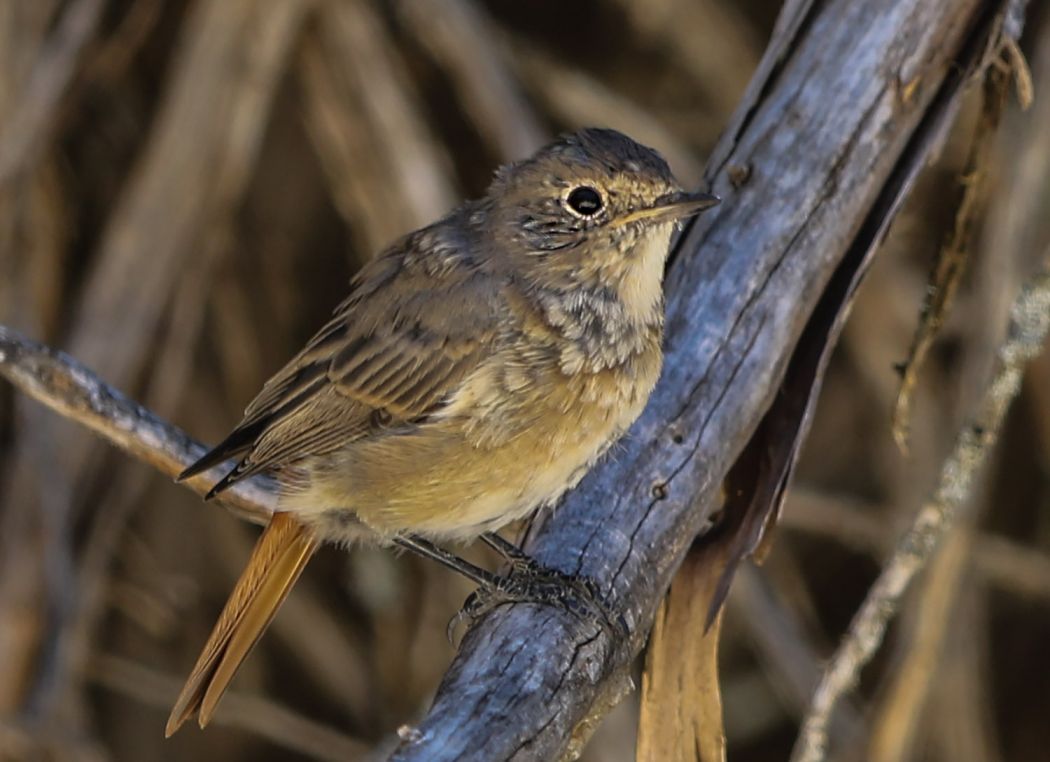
point(185, 190)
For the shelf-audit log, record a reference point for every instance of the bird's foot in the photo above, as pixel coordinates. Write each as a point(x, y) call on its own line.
point(529, 582)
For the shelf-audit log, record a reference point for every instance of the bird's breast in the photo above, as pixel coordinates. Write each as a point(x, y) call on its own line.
point(515, 436)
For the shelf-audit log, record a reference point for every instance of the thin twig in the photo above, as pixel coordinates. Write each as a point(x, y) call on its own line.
point(61, 383)
point(354, 37)
point(123, 494)
point(896, 724)
point(953, 258)
point(1030, 320)
point(710, 40)
point(385, 170)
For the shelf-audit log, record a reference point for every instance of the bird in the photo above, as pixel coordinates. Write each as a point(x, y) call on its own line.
point(478, 368)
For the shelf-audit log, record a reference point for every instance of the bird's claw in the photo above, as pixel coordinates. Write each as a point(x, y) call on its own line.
point(529, 582)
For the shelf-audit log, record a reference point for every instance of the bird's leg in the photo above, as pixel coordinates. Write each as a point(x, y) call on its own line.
point(524, 570)
point(510, 552)
point(427, 549)
point(531, 582)
point(526, 582)
point(523, 567)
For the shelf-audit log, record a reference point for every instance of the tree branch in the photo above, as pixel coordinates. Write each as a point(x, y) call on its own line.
point(1028, 328)
point(861, 93)
point(58, 381)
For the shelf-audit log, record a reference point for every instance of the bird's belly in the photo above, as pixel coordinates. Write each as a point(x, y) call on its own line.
point(454, 478)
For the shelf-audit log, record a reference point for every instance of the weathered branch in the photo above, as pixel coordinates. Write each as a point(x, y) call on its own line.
point(848, 102)
point(1028, 328)
point(57, 380)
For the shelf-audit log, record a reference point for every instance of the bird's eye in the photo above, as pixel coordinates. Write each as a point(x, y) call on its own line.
point(585, 201)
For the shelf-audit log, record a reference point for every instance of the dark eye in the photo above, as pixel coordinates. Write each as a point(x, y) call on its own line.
point(585, 200)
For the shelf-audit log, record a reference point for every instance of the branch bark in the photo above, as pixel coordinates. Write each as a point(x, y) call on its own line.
point(861, 92)
point(59, 382)
point(847, 103)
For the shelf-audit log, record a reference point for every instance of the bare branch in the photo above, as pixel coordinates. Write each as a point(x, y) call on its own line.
point(1029, 323)
point(741, 286)
point(71, 390)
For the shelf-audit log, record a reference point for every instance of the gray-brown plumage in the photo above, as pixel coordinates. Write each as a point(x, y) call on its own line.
point(478, 368)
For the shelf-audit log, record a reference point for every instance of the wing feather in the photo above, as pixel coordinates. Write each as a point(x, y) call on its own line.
point(386, 349)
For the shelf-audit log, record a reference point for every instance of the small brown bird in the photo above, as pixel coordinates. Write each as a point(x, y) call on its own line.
point(478, 368)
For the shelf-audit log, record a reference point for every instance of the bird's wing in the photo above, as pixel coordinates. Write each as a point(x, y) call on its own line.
point(415, 325)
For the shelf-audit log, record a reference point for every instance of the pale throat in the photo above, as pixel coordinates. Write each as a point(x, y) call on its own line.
point(640, 285)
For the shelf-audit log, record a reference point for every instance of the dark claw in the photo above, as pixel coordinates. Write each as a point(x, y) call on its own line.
point(529, 582)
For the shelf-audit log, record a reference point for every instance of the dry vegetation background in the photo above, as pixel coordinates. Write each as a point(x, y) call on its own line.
point(185, 189)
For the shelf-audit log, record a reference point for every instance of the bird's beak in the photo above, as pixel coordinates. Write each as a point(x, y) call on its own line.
point(672, 206)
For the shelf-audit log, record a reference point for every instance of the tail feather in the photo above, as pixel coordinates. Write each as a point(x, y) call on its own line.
point(276, 563)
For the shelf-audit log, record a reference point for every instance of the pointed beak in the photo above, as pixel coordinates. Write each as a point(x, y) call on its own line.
point(672, 206)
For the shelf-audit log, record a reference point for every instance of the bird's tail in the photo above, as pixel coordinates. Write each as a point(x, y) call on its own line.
point(276, 563)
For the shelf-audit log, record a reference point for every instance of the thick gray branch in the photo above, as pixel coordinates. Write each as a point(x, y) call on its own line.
point(842, 100)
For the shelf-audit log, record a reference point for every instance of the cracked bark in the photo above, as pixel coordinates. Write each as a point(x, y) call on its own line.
point(847, 103)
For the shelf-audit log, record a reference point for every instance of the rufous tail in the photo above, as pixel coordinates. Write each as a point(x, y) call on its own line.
point(276, 563)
